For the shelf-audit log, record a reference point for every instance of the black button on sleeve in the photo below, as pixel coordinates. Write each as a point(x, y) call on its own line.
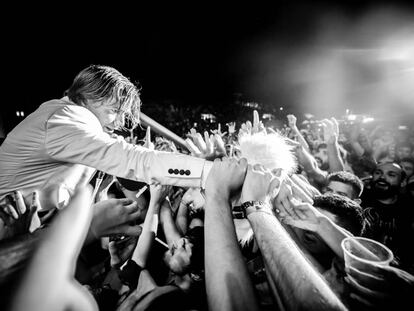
point(176, 171)
point(182, 172)
point(187, 172)
point(170, 171)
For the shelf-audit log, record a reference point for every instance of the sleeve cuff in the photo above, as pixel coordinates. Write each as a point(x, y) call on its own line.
point(206, 170)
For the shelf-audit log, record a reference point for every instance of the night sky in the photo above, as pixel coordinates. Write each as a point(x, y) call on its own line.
point(185, 53)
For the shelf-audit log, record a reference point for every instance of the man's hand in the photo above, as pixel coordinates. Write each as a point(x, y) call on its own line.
point(121, 251)
point(291, 121)
point(218, 131)
point(250, 129)
point(226, 176)
point(259, 184)
point(194, 199)
point(115, 216)
point(231, 126)
point(330, 130)
point(289, 189)
point(16, 218)
point(381, 288)
point(49, 283)
point(159, 193)
point(301, 215)
point(209, 148)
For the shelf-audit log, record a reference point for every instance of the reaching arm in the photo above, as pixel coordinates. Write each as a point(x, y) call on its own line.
point(296, 132)
point(227, 280)
point(74, 134)
point(181, 220)
point(331, 133)
point(168, 225)
point(149, 230)
point(311, 166)
point(313, 220)
point(301, 287)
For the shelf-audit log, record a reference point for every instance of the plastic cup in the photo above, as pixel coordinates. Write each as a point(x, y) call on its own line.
point(362, 253)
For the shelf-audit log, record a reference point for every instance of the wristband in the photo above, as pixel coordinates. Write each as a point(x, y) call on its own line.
point(255, 206)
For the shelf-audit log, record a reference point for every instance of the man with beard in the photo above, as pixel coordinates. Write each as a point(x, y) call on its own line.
point(388, 212)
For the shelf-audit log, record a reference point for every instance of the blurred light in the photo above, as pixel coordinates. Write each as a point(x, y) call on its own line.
point(352, 117)
point(367, 120)
point(22, 113)
point(281, 108)
point(18, 113)
point(251, 104)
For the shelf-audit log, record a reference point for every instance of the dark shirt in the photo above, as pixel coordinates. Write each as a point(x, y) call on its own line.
point(390, 224)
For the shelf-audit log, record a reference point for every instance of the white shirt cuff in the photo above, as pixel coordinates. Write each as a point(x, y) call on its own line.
point(206, 170)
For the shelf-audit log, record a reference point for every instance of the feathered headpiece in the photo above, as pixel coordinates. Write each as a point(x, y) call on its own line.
point(270, 150)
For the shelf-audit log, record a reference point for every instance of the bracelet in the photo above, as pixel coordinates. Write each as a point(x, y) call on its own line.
point(255, 206)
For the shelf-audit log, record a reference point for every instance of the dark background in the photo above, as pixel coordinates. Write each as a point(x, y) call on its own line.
point(204, 58)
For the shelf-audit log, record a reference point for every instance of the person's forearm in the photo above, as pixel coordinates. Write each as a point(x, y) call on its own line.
point(148, 234)
point(75, 135)
point(301, 287)
point(182, 218)
point(311, 167)
point(359, 151)
point(332, 235)
point(168, 225)
point(228, 283)
point(300, 138)
point(334, 158)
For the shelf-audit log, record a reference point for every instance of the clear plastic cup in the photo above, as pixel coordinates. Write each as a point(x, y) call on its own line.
point(362, 253)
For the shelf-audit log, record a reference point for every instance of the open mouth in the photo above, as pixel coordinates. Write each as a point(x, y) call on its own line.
point(382, 184)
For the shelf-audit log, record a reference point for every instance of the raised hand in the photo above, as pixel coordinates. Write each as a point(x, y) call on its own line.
point(218, 131)
point(49, 283)
point(231, 127)
point(250, 129)
point(193, 199)
point(380, 288)
point(16, 218)
point(209, 148)
point(260, 184)
point(330, 130)
point(159, 193)
point(121, 251)
point(115, 216)
point(301, 215)
point(289, 190)
point(226, 176)
point(291, 121)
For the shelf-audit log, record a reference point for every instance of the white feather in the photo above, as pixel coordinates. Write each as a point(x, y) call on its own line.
point(270, 150)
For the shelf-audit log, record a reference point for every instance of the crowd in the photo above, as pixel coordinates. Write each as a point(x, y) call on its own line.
point(247, 217)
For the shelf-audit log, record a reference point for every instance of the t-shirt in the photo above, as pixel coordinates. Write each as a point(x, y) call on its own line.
point(390, 224)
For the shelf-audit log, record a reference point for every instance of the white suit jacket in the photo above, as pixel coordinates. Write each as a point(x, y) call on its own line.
point(62, 143)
